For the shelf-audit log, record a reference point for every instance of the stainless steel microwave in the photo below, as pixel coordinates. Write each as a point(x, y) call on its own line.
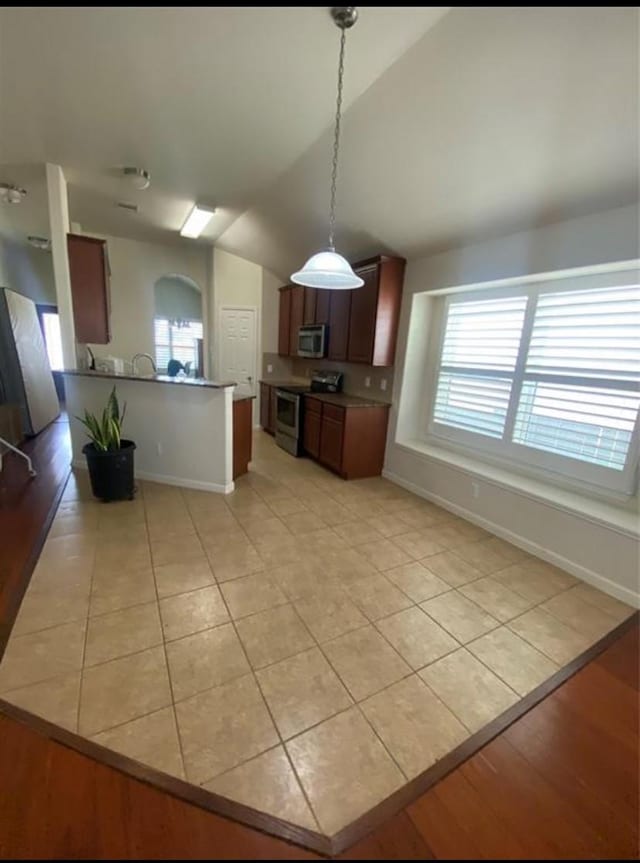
point(312, 341)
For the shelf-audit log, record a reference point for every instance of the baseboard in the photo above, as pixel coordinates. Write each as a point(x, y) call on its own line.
point(195, 484)
point(601, 582)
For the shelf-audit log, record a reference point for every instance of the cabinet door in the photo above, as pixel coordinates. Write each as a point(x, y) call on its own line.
point(284, 322)
point(273, 409)
point(89, 289)
point(339, 310)
point(297, 314)
point(331, 435)
point(323, 298)
point(309, 314)
point(241, 437)
point(362, 321)
point(312, 433)
point(265, 406)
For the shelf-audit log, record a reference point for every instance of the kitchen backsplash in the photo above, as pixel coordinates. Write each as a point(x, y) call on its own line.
point(284, 368)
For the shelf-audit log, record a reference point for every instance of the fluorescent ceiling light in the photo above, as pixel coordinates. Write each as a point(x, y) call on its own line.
point(197, 221)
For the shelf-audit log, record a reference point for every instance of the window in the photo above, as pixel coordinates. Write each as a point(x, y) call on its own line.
point(50, 324)
point(177, 340)
point(545, 376)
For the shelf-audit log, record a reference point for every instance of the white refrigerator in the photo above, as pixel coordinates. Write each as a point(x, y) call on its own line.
point(25, 374)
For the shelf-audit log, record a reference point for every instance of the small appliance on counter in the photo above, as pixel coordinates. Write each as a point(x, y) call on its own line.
point(290, 408)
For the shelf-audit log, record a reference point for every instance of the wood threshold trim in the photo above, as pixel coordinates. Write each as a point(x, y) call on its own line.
point(348, 836)
point(416, 787)
point(171, 784)
point(6, 625)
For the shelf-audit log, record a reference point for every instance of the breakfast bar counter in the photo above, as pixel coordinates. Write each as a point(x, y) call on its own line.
point(182, 427)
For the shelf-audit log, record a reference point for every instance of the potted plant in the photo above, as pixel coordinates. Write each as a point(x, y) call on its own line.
point(109, 455)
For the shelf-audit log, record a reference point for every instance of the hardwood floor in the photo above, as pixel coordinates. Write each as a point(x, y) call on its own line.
point(560, 783)
point(25, 504)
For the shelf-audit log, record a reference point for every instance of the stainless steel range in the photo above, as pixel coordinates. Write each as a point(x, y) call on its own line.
point(290, 408)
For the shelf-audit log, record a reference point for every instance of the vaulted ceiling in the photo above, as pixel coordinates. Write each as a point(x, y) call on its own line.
point(460, 123)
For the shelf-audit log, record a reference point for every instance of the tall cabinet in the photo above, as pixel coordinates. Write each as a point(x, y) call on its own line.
point(363, 323)
point(89, 272)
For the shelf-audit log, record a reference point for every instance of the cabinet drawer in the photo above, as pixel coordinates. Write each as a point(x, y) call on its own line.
point(313, 406)
point(333, 412)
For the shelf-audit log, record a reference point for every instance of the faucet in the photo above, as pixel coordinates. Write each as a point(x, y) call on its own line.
point(137, 356)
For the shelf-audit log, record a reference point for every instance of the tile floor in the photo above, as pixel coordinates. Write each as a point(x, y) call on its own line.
point(304, 646)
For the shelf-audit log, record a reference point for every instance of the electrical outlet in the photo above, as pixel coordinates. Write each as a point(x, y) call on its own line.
point(269, 369)
point(159, 448)
point(475, 489)
point(367, 381)
point(383, 384)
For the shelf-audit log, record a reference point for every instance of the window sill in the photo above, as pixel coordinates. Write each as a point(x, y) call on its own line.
point(622, 518)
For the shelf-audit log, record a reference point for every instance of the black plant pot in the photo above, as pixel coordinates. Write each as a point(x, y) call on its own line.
point(111, 471)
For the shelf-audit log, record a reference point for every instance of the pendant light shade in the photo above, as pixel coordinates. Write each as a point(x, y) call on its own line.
point(327, 270)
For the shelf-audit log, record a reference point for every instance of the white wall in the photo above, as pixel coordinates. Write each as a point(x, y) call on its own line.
point(27, 271)
point(175, 297)
point(270, 312)
point(183, 432)
point(602, 549)
point(238, 282)
point(135, 268)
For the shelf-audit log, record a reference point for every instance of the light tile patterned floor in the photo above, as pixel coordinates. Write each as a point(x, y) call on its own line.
point(304, 646)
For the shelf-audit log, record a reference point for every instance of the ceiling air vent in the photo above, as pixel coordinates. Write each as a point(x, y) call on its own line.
point(125, 205)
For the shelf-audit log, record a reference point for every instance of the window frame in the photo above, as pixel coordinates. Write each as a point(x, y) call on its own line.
point(563, 470)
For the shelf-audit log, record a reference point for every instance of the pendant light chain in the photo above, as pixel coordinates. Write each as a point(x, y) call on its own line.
point(336, 143)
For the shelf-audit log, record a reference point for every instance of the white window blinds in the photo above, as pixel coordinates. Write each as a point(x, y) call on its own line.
point(177, 342)
point(544, 371)
point(479, 356)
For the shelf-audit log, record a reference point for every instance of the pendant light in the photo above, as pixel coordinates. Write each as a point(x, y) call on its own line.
point(327, 269)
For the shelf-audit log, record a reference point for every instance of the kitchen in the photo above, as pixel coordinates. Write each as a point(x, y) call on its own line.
point(342, 573)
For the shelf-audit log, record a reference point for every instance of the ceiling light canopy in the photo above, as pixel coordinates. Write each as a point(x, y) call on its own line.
point(139, 178)
point(328, 269)
point(197, 221)
point(11, 194)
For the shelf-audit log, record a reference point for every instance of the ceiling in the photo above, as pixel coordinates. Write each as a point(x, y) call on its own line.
point(215, 102)
point(460, 124)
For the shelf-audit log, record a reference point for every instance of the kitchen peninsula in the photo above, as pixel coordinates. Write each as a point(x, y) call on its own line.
point(183, 428)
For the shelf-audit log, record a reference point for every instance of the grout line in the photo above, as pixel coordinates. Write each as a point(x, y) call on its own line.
point(268, 709)
point(166, 657)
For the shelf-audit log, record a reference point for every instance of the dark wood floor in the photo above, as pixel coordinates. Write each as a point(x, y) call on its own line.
point(560, 783)
point(24, 506)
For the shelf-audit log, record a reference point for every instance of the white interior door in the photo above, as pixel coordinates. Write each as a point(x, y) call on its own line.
point(238, 347)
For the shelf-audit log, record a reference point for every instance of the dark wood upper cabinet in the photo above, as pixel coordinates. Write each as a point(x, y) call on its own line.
point(284, 321)
point(309, 314)
point(375, 311)
point(297, 317)
point(362, 322)
point(89, 272)
point(339, 307)
point(323, 301)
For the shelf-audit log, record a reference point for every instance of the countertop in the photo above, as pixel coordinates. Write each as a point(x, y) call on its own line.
point(343, 400)
point(154, 379)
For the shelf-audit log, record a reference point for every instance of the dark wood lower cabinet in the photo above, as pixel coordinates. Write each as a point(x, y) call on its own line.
point(311, 433)
point(242, 422)
point(348, 440)
point(331, 441)
point(265, 406)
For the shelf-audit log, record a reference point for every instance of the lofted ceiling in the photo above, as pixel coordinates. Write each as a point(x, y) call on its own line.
point(215, 102)
point(460, 124)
